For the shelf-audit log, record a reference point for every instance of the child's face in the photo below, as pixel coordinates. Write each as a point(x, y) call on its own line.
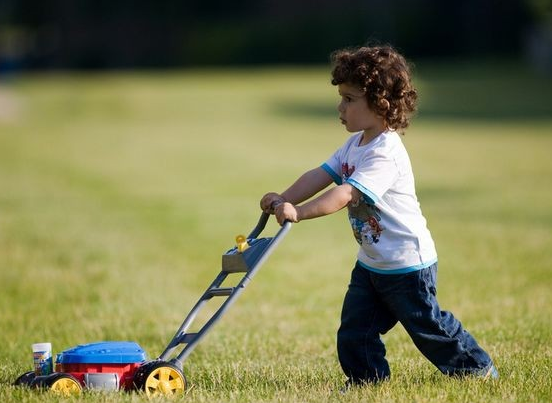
point(355, 114)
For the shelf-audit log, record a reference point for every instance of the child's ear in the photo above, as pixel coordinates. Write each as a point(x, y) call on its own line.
point(384, 104)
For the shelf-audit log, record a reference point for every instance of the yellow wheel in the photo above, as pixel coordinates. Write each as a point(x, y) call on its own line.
point(164, 380)
point(64, 385)
point(160, 378)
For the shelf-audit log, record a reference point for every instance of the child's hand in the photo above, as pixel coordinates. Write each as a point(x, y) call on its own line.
point(269, 201)
point(286, 212)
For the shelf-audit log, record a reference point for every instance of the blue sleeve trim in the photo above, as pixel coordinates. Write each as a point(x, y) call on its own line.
point(404, 270)
point(371, 195)
point(331, 172)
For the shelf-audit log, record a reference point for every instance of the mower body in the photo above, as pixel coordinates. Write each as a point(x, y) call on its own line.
point(107, 365)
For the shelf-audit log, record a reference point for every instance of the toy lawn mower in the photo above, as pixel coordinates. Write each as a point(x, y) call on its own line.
point(114, 365)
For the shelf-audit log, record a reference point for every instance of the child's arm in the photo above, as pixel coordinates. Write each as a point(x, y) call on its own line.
point(327, 203)
point(309, 184)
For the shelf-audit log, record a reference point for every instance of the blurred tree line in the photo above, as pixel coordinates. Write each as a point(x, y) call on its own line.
point(95, 34)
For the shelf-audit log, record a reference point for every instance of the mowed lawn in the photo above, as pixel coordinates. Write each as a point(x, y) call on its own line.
point(119, 192)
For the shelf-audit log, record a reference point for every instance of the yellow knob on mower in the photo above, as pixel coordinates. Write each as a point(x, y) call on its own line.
point(241, 243)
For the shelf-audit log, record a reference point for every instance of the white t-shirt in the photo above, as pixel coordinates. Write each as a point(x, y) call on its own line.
point(387, 221)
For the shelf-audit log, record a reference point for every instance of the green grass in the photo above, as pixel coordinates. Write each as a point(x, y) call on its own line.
point(120, 191)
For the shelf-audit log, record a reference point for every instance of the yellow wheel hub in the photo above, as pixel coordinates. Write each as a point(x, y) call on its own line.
point(164, 381)
point(66, 387)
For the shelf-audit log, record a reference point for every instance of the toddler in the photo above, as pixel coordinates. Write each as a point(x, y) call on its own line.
point(394, 278)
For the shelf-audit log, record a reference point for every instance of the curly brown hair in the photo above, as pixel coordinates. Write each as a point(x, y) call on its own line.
point(384, 75)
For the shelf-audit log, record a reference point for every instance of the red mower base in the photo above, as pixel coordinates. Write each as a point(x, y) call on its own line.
point(108, 366)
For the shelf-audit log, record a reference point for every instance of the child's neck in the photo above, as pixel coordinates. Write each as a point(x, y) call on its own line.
point(369, 135)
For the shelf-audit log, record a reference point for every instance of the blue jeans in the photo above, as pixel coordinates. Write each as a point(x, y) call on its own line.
point(374, 303)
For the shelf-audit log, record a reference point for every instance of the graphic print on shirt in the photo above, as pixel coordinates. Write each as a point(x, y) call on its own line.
point(346, 171)
point(363, 215)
